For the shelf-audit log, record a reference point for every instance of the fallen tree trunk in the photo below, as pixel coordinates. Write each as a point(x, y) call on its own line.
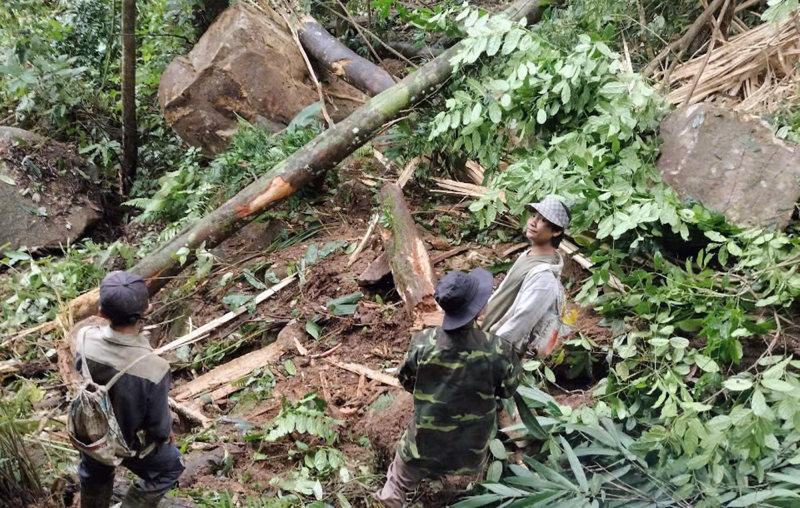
point(408, 257)
point(218, 381)
point(340, 60)
point(311, 161)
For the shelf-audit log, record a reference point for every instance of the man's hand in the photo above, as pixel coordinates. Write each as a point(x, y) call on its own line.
point(171, 437)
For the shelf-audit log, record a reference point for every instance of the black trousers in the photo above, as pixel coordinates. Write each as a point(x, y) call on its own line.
point(158, 472)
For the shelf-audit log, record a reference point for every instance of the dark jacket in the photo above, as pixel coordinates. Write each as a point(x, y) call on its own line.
point(140, 396)
point(456, 378)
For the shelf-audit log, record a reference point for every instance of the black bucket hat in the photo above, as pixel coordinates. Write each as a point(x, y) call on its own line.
point(123, 297)
point(462, 296)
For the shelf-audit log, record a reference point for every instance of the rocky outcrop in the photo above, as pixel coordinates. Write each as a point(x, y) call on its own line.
point(246, 65)
point(731, 163)
point(45, 195)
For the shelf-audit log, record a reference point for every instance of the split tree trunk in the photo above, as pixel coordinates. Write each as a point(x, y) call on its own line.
point(129, 135)
point(408, 257)
point(313, 160)
point(341, 61)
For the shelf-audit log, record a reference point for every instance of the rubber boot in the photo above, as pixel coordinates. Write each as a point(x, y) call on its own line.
point(137, 498)
point(97, 497)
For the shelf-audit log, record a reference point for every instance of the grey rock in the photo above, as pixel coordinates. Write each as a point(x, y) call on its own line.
point(246, 65)
point(11, 134)
point(731, 163)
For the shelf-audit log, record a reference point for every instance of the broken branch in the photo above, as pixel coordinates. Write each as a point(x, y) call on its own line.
point(366, 371)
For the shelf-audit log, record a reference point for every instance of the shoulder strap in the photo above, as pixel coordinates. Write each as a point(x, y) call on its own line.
point(82, 350)
point(126, 369)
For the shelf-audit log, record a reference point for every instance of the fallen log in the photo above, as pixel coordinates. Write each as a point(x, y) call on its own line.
point(313, 160)
point(340, 60)
point(218, 382)
point(408, 257)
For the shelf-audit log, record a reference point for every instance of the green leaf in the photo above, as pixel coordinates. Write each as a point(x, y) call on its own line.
point(530, 421)
point(498, 450)
point(251, 278)
point(478, 501)
point(271, 277)
point(312, 254)
point(734, 249)
point(759, 404)
point(575, 464)
point(495, 114)
point(679, 342)
point(495, 471)
point(305, 117)
point(737, 384)
point(290, 368)
point(313, 329)
point(345, 300)
point(512, 40)
point(756, 498)
point(330, 247)
point(541, 116)
point(777, 385)
point(714, 236)
point(549, 375)
point(706, 363)
point(351, 248)
point(234, 301)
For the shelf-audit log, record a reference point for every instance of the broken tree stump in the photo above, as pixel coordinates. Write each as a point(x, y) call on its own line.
point(411, 266)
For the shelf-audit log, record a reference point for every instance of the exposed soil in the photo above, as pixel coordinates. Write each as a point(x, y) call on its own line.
point(375, 336)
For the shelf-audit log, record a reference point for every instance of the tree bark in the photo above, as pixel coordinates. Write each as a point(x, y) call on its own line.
point(411, 266)
point(313, 160)
point(341, 61)
point(129, 135)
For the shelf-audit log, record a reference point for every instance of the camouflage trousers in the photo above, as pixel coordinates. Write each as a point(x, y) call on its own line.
point(400, 480)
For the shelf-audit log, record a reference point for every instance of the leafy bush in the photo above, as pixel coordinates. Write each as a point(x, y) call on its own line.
point(574, 121)
point(35, 288)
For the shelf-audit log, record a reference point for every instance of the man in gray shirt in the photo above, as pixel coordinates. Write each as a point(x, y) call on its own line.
point(526, 307)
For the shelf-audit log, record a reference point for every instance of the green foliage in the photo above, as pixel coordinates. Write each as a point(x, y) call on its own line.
point(779, 10)
point(34, 288)
point(224, 499)
point(575, 122)
point(59, 74)
point(306, 416)
point(21, 478)
point(194, 188)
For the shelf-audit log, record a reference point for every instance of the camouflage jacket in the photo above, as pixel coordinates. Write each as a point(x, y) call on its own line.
point(455, 378)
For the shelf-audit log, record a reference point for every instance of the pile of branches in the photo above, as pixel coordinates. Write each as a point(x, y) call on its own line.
point(751, 72)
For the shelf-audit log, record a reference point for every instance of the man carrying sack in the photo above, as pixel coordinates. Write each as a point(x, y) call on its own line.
point(121, 413)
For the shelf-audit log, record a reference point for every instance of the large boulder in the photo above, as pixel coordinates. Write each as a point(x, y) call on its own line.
point(45, 193)
point(247, 64)
point(731, 163)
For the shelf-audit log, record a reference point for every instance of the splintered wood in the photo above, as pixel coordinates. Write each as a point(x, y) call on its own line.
point(219, 382)
point(751, 72)
point(408, 257)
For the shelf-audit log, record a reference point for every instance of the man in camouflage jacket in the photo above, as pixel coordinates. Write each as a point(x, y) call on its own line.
point(455, 372)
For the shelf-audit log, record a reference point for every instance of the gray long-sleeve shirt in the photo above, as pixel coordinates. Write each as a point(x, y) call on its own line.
point(536, 297)
point(140, 396)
